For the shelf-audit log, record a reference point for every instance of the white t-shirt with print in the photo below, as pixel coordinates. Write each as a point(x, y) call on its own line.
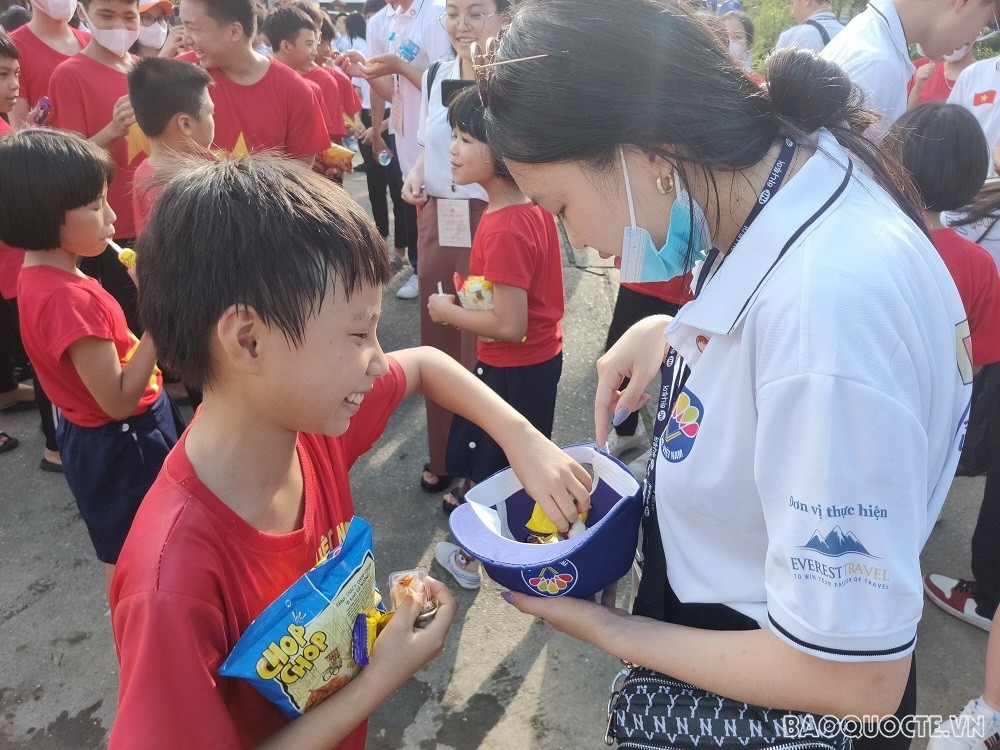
point(815, 440)
point(978, 90)
point(417, 26)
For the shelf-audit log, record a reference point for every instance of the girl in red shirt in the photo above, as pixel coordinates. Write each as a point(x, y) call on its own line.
point(519, 351)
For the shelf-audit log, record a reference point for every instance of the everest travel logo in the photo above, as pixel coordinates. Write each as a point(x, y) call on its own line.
point(836, 544)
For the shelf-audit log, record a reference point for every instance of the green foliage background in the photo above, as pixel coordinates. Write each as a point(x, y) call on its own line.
point(771, 17)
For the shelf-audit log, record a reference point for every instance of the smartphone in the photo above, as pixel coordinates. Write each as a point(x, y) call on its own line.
point(452, 87)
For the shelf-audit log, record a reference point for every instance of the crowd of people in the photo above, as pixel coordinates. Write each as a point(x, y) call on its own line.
point(808, 253)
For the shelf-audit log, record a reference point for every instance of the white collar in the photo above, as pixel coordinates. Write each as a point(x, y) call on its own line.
point(728, 295)
point(824, 14)
point(890, 16)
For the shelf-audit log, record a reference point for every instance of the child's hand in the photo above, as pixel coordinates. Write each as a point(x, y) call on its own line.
point(438, 305)
point(122, 117)
point(401, 649)
point(174, 44)
point(551, 478)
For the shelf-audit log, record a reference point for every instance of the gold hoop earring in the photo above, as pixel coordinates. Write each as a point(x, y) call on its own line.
point(664, 190)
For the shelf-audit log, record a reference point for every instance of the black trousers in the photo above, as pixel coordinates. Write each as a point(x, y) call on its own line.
point(986, 536)
point(631, 307)
point(379, 178)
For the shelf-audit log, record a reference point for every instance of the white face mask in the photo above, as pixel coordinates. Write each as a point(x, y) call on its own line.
point(959, 54)
point(61, 10)
point(737, 49)
point(116, 41)
point(153, 36)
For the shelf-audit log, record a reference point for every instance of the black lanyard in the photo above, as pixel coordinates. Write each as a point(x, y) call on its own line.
point(673, 372)
point(778, 173)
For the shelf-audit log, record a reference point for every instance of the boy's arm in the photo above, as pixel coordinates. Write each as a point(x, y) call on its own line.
point(116, 389)
point(507, 321)
point(558, 483)
point(401, 650)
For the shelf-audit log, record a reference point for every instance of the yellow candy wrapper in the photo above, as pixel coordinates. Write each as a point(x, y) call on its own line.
point(338, 157)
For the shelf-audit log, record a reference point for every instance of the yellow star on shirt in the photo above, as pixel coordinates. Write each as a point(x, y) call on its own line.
point(137, 142)
point(240, 149)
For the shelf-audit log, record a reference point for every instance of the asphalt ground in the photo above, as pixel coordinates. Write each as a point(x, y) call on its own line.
point(504, 679)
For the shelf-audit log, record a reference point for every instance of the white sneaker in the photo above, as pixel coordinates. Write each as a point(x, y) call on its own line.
point(619, 445)
point(464, 569)
point(976, 728)
point(410, 289)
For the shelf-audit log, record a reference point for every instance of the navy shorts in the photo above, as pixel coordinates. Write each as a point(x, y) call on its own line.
point(530, 389)
point(110, 468)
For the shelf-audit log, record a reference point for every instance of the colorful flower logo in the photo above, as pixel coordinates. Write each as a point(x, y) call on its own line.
point(552, 580)
point(682, 428)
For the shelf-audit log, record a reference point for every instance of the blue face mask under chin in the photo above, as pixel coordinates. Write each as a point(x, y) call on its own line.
point(642, 261)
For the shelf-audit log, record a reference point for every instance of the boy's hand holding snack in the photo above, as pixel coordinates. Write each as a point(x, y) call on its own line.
point(403, 647)
point(439, 305)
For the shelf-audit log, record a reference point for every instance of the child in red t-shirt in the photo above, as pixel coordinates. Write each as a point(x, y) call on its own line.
point(296, 388)
point(944, 150)
point(116, 425)
point(517, 248)
point(172, 106)
point(89, 95)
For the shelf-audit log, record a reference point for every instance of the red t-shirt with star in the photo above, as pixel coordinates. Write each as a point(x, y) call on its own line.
point(519, 246)
point(193, 575)
point(279, 112)
point(84, 93)
point(57, 309)
point(38, 61)
point(975, 274)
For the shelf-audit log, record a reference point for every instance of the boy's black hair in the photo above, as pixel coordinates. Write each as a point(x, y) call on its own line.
point(327, 31)
point(317, 14)
point(7, 48)
point(243, 12)
point(160, 88)
point(45, 174)
point(14, 18)
point(277, 237)
point(467, 114)
point(944, 149)
point(284, 24)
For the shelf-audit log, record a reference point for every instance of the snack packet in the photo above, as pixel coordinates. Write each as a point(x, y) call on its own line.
point(475, 292)
point(541, 530)
point(338, 157)
point(302, 648)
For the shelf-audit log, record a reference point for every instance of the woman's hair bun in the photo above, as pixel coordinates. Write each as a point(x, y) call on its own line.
point(810, 92)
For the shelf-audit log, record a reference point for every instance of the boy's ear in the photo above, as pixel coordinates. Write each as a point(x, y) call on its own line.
point(184, 123)
point(285, 46)
point(238, 331)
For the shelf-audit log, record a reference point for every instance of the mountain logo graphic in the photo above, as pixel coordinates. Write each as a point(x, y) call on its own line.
point(837, 544)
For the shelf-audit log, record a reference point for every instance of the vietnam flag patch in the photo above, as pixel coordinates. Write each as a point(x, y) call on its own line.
point(984, 97)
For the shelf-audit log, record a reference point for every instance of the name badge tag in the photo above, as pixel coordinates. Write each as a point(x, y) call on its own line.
point(454, 223)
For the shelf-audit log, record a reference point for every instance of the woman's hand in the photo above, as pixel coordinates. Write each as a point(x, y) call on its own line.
point(380, 65)
point(637, 355)
point(551, 478)
point(582, 619)
point(413, 188)
point(174, 44)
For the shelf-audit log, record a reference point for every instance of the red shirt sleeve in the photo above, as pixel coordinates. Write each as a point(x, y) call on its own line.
point(307, 133)
point(69, 110)
point(380, 403)
point(169, 649)
point(510, 257)
point(72, 316)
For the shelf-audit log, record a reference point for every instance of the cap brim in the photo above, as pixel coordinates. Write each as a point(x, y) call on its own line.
point(165, 5)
